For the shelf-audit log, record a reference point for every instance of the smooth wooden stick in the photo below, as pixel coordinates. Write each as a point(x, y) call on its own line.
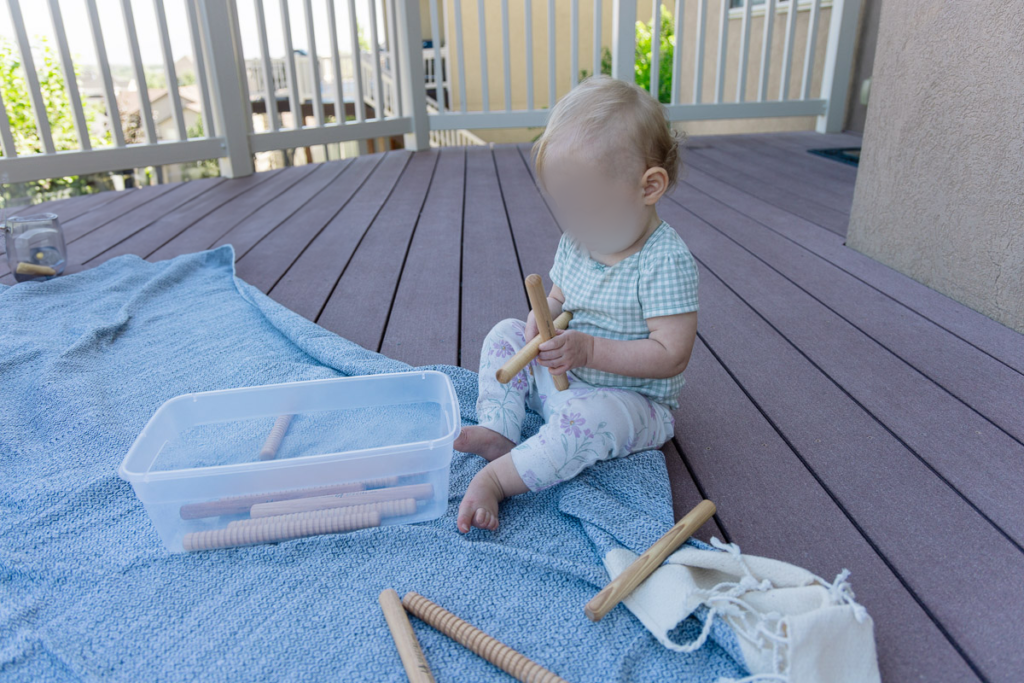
point(387, 508)
point(542, 314)
point(33, 269)
point(272, 531)
point(235, 505)
point(273, 442)
point(526, 354)
point(287, 507)
point(472, 638)
point(626, 582)
point(409, 650)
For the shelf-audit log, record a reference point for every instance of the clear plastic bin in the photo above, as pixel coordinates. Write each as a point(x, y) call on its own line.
point(290, 458)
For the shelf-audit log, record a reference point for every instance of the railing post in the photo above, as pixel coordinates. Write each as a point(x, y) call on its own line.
point(835, 79)
point(414, 88)
point(226, 66)
point(624, 40)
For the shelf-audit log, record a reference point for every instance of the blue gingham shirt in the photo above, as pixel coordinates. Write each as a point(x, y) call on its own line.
point(615, 301)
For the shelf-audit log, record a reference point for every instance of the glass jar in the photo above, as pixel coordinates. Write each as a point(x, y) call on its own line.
point(35, 247)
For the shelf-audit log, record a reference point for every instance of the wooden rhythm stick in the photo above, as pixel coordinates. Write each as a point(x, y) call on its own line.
point(405, 639)
point(287, 507)
point(472, 638)
point(542, 314)
point(272, 531)
point(626, 582)
point(33, 269)
point(387, 508)
point(236, 505)
point(273, 442)
point(526, 354)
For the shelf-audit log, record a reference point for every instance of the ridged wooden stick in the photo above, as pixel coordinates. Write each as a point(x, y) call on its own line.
point(274, 532)
point(408, 645)
point(387, 508)
point(273, 442)
point(33, 269)
point(472, 638)
point(287, 507)
point(516, 363)
point(642, 567)
point(234, 505)
point(542, 314)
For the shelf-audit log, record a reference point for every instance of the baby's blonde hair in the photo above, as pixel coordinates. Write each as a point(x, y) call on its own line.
point(602, 111)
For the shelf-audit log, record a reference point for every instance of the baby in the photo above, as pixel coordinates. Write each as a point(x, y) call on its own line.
point(605, 159)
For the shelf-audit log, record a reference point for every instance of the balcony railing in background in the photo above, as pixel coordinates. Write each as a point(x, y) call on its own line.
point(392, 85)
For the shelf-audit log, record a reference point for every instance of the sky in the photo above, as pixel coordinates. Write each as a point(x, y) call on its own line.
point(76, 25)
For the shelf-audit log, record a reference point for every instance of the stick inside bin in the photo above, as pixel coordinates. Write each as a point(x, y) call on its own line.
point(236, 505)
point(286, 507)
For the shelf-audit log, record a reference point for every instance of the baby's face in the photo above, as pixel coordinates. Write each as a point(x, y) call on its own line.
point(604, 210)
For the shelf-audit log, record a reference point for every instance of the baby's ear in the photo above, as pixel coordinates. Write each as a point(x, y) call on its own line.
point(655, 184)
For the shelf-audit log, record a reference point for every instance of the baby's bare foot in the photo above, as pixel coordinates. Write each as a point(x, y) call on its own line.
point(490, 486)
point(486, 443)
point(479, 507)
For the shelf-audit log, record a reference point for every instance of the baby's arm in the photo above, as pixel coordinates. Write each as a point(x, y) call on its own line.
point(665, 353)
point(555, 301)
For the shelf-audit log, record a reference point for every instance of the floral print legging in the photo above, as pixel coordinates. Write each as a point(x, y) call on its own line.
point(582, 425)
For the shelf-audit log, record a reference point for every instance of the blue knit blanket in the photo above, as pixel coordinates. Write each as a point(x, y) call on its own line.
point(87, 592)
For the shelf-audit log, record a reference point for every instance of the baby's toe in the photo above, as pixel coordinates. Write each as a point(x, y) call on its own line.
point(485, 519)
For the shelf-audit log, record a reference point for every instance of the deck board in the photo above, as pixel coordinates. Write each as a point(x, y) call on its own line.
point(978, 380)
point(792, 200)
point(771, 505)
point(167, 227)
point(91, 245)
point(317, 256)
point(492, 281)
point(982, 332)
point(781, 169)
point(534, 229)
point(423, 328)
point(871, 475)
point(838, 413)
point(246, 217)
point(360, 312)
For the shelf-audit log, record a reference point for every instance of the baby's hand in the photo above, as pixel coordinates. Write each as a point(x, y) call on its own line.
point(569, 349)
point(531, 327)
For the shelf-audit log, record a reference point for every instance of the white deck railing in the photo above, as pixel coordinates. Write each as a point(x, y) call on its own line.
point(390, 80)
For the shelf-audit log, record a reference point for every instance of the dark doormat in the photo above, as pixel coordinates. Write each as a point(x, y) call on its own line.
point(846, 155)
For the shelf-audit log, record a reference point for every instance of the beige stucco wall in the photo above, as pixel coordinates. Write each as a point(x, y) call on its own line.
point(940, 190)
point(517, 43)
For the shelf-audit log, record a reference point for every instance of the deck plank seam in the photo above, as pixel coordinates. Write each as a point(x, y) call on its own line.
point(727, 537)
point(462, 258)
point(114, 217)
point(320, 169)
point(867, 538)
point(359, 242)
point(508, 222)
point(852, 324)
point(212, 187)
point(868, 412)
point(300, 208)
point(836, 265)
point(270, 174)
point(405, 257)
point(766, 201)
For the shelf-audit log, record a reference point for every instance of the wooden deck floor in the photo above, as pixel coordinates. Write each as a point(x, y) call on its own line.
point(839, 414)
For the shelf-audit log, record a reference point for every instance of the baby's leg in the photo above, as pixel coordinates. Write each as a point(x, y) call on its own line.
point(500, 408)
point(490, 486)
point(585, 425)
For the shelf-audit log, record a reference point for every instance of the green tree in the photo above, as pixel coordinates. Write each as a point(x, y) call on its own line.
point(642, 67)
point(14, 88)
point(642, 59)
